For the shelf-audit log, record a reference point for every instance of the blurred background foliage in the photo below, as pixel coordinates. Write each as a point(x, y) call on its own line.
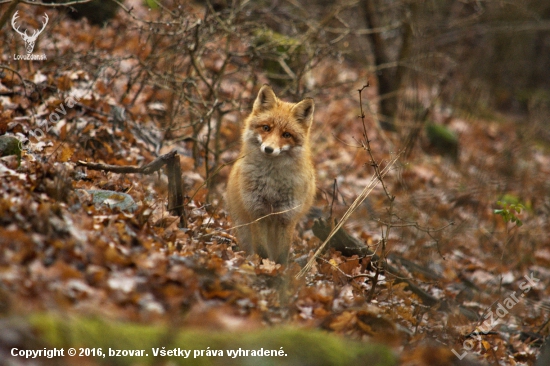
point(474, 56)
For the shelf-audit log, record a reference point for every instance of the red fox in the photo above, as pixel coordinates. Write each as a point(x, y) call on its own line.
point(272, 184)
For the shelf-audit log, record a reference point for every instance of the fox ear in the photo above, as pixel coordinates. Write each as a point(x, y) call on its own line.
point(303, 111)
point(265, 100)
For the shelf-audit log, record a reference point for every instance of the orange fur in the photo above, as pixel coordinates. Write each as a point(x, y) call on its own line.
point(274, 173)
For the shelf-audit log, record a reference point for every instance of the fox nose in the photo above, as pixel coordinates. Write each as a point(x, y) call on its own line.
point(268, 150)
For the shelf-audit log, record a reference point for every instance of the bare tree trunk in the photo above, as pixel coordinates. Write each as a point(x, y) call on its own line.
point(389, 78)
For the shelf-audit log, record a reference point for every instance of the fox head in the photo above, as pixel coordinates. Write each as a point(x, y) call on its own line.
point(278, 126)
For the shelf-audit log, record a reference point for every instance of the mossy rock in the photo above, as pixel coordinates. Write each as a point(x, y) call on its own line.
point(442, 140)
point(10, 145)
point(296, 346)
point(111, 199)
point(272, 46)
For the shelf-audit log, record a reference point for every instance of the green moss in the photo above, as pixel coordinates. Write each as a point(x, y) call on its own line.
point(300, 346)
point(10, 145)
point(271, 47)
point(442, 140)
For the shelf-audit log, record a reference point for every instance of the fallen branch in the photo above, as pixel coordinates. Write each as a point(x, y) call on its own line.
point(375, 179)
point(348, 246)
point(147, 169)
point(175, 186)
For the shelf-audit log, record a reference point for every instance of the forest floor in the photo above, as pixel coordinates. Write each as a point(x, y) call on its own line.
point(62, 253)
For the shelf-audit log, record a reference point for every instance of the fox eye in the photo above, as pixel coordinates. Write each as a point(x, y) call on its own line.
point(287, 135)
point(266, 128)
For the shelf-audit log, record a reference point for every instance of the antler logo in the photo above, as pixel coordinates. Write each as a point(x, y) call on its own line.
point(29, 40)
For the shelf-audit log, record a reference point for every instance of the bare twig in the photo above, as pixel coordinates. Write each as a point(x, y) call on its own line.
point(366, 146)
point(265, 216)
point(364, 194)
point(252, 222)
point(147, 169)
